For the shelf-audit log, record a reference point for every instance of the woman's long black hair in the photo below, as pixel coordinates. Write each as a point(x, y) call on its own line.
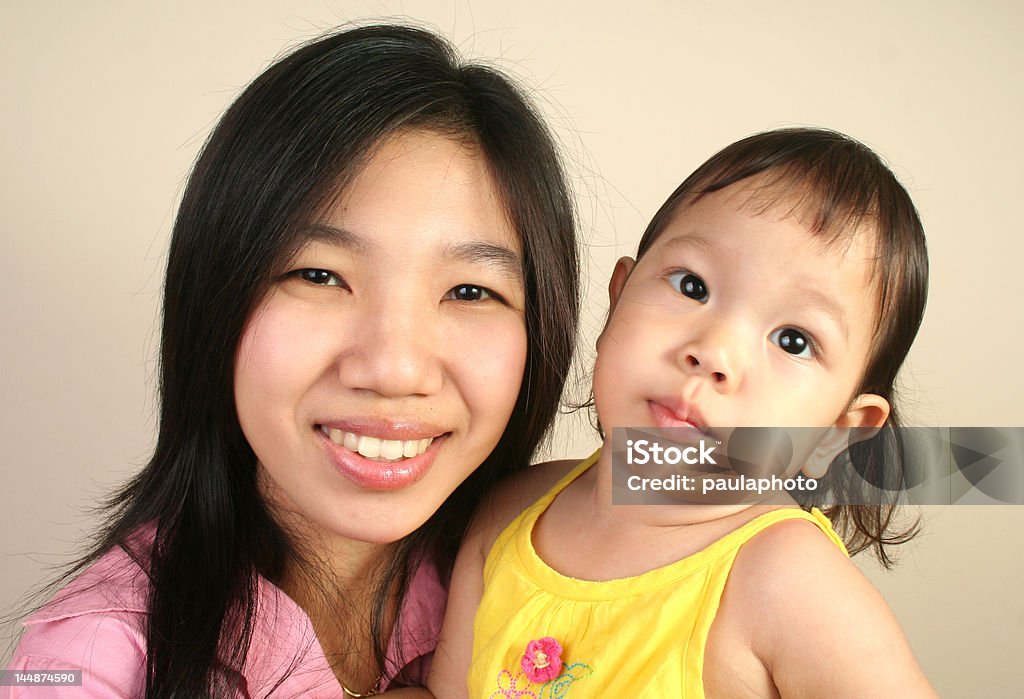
point(279, 156)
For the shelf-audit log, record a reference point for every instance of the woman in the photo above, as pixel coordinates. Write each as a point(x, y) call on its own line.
point(369, 312)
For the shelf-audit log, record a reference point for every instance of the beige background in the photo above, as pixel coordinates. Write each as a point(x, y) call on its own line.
point(105, 104)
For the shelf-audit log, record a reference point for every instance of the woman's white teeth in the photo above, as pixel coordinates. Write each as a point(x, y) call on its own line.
point(373, 447)
point(369, 447)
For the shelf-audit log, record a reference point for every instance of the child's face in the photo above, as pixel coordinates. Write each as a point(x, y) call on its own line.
point(382, 367)
point(735, 317)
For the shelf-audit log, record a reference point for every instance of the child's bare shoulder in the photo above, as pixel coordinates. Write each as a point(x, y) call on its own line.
point(793, 605)
point(793, 550)
point(792, 568)
point(763, 594)
point(513, 495)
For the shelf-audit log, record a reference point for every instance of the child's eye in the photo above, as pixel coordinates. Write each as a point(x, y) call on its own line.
point(690, 285)
point(794, 342)
point(470, 292)
point(319, 276)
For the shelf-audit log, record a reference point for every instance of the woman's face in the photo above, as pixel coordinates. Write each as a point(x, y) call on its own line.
point(384, 363)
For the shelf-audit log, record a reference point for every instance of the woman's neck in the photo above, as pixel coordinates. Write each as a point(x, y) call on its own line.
point(338, 591)
point(337, 582)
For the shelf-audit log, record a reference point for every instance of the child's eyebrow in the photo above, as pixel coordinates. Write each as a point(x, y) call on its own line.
point(685, 240)
point(816, 299)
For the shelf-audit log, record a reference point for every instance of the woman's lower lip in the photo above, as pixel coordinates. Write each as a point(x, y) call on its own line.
point(380, 475)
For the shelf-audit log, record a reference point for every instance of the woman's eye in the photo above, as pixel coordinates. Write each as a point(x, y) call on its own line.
point(469, 292)
point(689, 285)
point(794, 342)
point(319, 276)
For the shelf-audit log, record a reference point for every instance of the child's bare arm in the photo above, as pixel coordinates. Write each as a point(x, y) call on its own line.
point(408, 693)
point(817, 625)
point(448, 670)
point(450, 667)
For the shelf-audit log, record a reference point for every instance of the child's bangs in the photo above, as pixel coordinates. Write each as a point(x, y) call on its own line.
point(836, 209)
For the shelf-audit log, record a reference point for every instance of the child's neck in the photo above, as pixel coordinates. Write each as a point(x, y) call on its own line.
point(583, 534)
point(687, 513)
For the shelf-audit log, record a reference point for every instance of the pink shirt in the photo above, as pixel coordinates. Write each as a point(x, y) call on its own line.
point(100, 629)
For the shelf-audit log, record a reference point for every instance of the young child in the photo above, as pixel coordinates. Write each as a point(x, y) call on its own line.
point(780, 285)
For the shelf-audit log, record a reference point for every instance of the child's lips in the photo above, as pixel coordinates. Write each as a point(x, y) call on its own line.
point(679, 415)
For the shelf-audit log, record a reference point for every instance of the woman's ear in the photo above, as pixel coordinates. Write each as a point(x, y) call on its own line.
point(862, 420)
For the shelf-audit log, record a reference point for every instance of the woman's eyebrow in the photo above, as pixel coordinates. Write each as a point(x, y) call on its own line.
point(331, 235)
point(504, 260)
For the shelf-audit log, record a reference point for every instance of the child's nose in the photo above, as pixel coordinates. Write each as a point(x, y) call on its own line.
point(714, 356)
point(394, 351)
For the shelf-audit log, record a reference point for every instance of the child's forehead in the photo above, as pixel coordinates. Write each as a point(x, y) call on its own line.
point(773, 197)
point(744, 225)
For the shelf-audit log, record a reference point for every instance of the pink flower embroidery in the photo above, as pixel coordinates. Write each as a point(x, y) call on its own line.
point(542, 660)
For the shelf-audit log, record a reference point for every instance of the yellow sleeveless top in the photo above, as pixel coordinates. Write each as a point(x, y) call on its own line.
point(642, 635)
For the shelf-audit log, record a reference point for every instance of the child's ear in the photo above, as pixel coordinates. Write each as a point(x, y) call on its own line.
point(862, 420)
point(620, 274)
point(623, 267)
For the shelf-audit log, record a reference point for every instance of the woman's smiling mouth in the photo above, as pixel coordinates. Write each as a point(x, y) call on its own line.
point(381, 454)
point(375, 447)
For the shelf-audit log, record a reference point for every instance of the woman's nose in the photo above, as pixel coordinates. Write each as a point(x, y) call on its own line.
point(394, 350)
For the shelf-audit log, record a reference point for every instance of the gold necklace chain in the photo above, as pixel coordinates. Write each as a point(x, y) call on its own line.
point(371, 692)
